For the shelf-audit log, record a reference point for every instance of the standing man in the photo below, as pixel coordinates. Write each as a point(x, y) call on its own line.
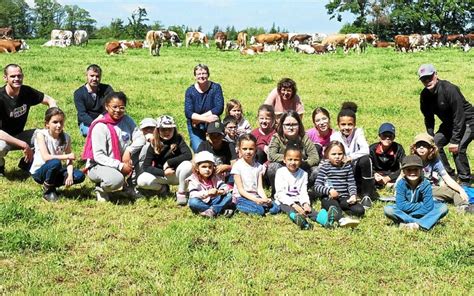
point(15, 102)
point(89, 98)
point(444, 99)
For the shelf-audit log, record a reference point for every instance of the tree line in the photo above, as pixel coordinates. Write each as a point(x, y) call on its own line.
point(385, 18)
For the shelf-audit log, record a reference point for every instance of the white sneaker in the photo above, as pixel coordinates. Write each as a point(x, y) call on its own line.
point(348, 222)
point(409, 226)
point(101, 195)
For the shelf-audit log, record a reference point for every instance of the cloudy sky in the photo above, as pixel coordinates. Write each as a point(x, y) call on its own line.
point(293, 15)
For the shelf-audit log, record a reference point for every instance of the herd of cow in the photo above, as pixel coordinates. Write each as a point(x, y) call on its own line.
point(314, 43)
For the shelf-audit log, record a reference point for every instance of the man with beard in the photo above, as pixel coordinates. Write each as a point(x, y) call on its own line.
point(89, 98)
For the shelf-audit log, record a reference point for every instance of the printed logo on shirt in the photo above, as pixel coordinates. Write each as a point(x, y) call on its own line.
point(125, 137)
point(293, 191)
point(19, 111)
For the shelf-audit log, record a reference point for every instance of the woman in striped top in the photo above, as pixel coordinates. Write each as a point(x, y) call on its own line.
point(335, 182)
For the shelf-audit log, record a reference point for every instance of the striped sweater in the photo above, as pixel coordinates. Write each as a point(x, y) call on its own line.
point(339, 178)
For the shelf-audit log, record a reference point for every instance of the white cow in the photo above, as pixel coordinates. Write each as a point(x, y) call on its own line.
point(196, 37)
point(81, 37)
point(61, 38)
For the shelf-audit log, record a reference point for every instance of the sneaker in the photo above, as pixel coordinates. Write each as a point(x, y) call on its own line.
point(332, 214)
point(302, 222)
point(132, 192)
point(409, 226)
point(228, 213)
point(51, 196)
point(209, 213)
point(2, 171)
point(366, 202)
point(164, 191)
point(101, 195)
point(348, 222)
point(469, 209)
point(181, 199)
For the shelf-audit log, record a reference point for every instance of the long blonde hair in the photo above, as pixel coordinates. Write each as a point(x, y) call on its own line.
point(158, 145)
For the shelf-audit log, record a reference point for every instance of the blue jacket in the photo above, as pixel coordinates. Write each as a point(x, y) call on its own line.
point(196, 102)
point(415, 202)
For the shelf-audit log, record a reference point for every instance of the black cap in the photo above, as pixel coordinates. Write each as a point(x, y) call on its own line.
point(215, 127)
point(412, 161)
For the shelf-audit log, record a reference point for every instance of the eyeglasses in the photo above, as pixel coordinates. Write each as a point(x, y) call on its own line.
point(118, 108)
point(231, 127)
point(427, 78)
point(290, 125)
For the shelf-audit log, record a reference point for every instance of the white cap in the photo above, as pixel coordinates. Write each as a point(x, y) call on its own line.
point(165, 121)
point(204, 156)
point(147, 122)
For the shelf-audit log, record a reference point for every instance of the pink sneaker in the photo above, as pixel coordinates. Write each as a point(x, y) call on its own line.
point(181, 198)
point(208, 213)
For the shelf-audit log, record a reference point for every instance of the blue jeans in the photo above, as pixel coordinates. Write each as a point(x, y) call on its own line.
point(426, 222)
point(196, 136)
point(217, 204)
point(53, 173)
point(84, 129)
point(249, 207)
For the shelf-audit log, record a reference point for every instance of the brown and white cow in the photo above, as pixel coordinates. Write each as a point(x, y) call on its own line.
point(196, 37)
point(321, 49)
point(6, 33)
point(131, 44)
point(113, 47)
point(334, 40)
point(454, 40)
point(242, 39)
point(301, 38)
point(12, 45)
point(61, 38)
point(267, 38)
point(154, 40)
point(303, 48)
point(252, 50)
point(384, 44)
point(172, 38)
point(352, 43)
point(402, 43)
point(220, 39)
point(81, 37)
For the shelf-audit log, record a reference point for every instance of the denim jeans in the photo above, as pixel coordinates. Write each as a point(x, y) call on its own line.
point(54, 173)
point(217, 204)
point(426, 222)
point(196, 136)
point(247, 206)
point(84, 129)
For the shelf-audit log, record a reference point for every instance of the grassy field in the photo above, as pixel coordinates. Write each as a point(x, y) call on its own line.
point(79, 246)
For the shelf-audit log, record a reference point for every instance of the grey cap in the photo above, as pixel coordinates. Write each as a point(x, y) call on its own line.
point(412, 161)
point(426, 70)
point(147, 122)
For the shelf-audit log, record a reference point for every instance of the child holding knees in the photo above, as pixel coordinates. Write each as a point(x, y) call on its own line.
point(291, 192)
point(209, 196)
point(356, 151)
point(291, 129)
point(167, 161)
point(321, 133)
point(265, 131)
point(108, 138)
point(335, 182)
point(230, 129)
point(234, 109)
point(444, 187)
point(386, 156)
point(248, 177)
point(415, 207)
point(52, 146)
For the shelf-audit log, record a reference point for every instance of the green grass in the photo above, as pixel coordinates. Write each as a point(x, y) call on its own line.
point(79, 246)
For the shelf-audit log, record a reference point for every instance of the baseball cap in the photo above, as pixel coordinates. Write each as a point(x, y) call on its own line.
point(165, 121)
point(147, 122)
point(387, 127)
point(412, 161)
point(204, 156)
point(424, 137)
point(426, 70)
point(215, 127)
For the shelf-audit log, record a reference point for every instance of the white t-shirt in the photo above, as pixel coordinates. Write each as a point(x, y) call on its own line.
point(52, 144)
point(249, 175)
point(291, 188)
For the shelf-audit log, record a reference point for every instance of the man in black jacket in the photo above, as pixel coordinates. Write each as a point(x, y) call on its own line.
point(89, 98)
point(445, 100)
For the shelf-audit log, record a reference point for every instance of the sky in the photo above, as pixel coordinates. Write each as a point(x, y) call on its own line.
point(293, 15)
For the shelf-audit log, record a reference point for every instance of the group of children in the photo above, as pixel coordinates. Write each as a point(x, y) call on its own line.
point(229, 171)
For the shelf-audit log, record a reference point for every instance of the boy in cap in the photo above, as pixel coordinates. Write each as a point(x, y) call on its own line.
point(445, 100)
point(415, 206)
point(386, 156)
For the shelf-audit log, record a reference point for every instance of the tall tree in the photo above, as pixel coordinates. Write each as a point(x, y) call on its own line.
point(360, 8)
point(136, 27)
point(48, 16)
point(16, 14)
point(117, 29)
point(77, 18)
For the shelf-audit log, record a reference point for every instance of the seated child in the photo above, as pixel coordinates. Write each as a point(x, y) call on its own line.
point(386, 156)
point(265, 131)
point(415, 206)
point(230, 129)
point(234, 109)
point(321, 133)
point(209, 196)
point(335, 182)
point(291, 186)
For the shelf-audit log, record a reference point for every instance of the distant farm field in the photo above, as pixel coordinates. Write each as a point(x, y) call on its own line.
point(79, 246)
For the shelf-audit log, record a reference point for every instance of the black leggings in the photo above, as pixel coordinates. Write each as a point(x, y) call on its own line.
point(342, 205)
point(363, 175)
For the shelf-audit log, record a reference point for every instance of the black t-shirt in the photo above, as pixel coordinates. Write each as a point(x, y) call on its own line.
point(14, 112)
point(224, 155)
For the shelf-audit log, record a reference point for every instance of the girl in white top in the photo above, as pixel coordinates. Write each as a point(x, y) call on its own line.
point(248, 187)
point(52, 146)
point(357, 151)
point(234, 109)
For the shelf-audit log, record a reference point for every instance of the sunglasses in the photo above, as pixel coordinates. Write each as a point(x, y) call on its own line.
point(427, 78)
